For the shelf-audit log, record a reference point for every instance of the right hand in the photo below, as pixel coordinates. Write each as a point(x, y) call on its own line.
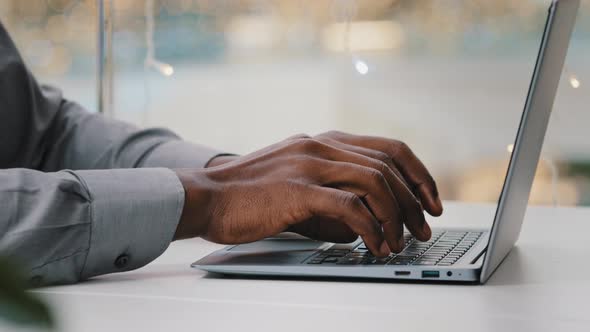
point(305, 185)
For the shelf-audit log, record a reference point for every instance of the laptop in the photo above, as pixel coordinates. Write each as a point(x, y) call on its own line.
point(462, 255)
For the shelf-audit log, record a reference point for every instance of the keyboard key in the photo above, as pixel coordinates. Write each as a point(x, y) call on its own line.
point(432, 256)
point(448, 259)
point(350, 261)
point(412, 252)
point(394, 262)
point(402, 259)
point(424, 262)
point(331, 259)
point(451, 242)
point(415, 250)
point(337, 251)
point(456, 255)
point(434, 253)
point(406, 258)
point(359, 254)
point(377, 261)
point(439, 249)
point(453, 233)
point(447, 243)
point(445, 248)
point(315, 260)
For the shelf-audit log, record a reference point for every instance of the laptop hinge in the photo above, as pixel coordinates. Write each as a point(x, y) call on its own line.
point(479, 256)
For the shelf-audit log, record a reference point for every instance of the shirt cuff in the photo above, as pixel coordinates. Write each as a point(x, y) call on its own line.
point(135, 213)
point(180, 154)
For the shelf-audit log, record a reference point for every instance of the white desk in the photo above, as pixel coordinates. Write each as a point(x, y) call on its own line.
point(543, 285)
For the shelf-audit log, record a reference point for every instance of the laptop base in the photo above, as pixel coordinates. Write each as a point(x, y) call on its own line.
point(291, 256)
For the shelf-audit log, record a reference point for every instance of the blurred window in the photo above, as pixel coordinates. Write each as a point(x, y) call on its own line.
point(447, 77)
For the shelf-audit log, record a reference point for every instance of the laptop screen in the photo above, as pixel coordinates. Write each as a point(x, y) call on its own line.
point(531, 133)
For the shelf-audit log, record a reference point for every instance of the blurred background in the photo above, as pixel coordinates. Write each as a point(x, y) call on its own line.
point(448, 77)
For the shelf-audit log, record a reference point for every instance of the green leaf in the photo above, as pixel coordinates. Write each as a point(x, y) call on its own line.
point(16, 304)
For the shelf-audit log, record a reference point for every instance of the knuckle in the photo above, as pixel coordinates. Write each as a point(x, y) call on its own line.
point(382, 166)
point(349, 199)
point(382, 156)
point(307, 145)
point(401, 148)
point(376, 176)
point(299, 136)
point(334, 133)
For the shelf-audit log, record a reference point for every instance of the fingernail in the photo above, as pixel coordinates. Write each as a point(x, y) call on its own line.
point(384, 249)
point(426, 231)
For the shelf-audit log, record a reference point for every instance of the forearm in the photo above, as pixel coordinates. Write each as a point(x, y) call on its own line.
point(72, 225)
point(41, 129)
point(83, 140)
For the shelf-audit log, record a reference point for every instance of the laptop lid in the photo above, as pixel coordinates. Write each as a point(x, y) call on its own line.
point(531, 133)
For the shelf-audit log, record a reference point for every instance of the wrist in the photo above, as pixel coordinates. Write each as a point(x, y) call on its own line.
point(196, 211)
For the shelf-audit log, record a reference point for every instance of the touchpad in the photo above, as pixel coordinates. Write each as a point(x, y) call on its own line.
point(278, 245)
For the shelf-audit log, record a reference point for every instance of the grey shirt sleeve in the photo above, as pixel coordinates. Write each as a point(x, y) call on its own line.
point(82, 195)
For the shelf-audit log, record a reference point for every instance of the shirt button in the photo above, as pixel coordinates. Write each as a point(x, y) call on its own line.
point(122, 261)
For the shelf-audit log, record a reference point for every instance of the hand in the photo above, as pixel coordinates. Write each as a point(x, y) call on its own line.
point(332, 187)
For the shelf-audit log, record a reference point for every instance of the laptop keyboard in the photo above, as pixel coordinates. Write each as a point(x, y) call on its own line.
point(444, 248)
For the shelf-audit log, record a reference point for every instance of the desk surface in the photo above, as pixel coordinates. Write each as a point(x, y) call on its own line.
point(543, 285)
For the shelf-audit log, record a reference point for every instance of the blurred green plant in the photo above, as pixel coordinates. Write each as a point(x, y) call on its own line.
point(18, 306)
point(578, 168)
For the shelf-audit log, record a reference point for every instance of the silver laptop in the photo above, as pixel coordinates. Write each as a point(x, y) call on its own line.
point(468, 255)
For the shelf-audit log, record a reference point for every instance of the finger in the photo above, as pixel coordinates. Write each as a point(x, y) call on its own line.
point(412, 214)
point(411, 210)
point(335, 204)
point(363, 178)
point(409, 165)
point(375, 154)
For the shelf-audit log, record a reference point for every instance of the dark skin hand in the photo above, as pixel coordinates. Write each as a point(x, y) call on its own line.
point(332, 187)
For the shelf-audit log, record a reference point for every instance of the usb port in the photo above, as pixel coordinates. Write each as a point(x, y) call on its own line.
point(430, 274)
point(402, 273)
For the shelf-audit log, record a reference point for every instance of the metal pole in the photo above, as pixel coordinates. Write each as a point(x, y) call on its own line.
point(105, 57)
